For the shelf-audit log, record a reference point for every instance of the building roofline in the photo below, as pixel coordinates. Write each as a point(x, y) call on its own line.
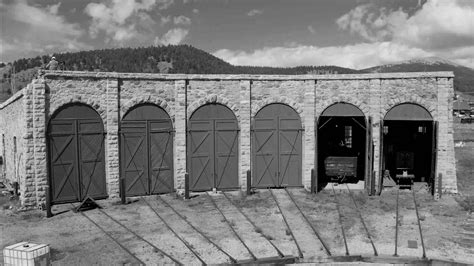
point(157, 76)
point(12, 99)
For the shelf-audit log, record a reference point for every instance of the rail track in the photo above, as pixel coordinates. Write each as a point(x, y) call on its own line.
point(362, 220)
point(340, 220)
point(231, 259)
point(418, 222)
point(186, 243)
point(315, 231)
point(252, 255)
point(127, 238)
point(122, 243)
point(280, 254)
point(300, 252)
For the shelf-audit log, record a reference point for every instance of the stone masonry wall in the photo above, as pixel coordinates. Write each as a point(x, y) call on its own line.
point(13, 129)
point(113, 94)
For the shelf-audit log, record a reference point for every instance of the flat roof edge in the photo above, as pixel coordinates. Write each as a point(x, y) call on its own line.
point(157, 76)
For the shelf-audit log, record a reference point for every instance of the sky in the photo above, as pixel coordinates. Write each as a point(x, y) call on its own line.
point(279, 33)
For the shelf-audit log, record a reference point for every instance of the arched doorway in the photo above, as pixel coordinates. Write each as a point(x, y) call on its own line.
point(76, 154)
point(408, 136)
point(147, 151)
point(213, 148)
point(276, 147)
point(343, 153)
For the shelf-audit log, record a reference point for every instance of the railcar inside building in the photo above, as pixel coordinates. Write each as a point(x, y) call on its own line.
point(342, 144)
point(409, 141)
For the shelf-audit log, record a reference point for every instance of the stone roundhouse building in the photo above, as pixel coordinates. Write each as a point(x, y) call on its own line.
point(74, 134)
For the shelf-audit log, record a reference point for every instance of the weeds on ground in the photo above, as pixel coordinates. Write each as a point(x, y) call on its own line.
point(466, 202)
point(360, 198)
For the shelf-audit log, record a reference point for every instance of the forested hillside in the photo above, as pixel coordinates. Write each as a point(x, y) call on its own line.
point(189, 60)
point(162, 59)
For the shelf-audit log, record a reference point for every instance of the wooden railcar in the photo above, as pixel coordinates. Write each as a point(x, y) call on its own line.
point(340, 168)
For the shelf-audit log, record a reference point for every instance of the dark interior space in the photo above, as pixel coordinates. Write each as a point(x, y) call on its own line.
point(341, 142)
point(407, 146)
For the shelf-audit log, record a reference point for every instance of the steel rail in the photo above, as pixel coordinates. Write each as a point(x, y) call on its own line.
point(280, 254)
point(141, 238)
point(231, 227)
point(113, 239)
point(300, 253)
point(396, 225)
point(419, 223)
point(315, 231)
point(340, 220)
point(174, 232)
point(362, 220)
point(232, 259)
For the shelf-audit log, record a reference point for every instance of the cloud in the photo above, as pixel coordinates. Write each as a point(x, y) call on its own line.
point(196, 11)
point(439, 27)
point(353, 56)
point(370, 23)
point(42, 30)
point(173, 36)
point(182, 20)
point(123, 20)
point(311, 29)
point(45, 19)
point(164, 4)
point(437, 24)
point(254, 12)
point(164, 20)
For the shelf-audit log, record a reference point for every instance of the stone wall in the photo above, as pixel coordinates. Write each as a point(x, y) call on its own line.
point(113, 94)
point(12, 133)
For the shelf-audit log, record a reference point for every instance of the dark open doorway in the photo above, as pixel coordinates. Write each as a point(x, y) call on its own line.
point(409, 144)
point(341, 145)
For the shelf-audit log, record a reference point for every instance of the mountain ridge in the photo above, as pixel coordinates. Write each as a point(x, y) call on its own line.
point(464, 76)
point(190, 60)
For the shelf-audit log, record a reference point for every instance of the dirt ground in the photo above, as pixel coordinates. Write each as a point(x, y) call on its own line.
point(148, 231)
point(448, 229)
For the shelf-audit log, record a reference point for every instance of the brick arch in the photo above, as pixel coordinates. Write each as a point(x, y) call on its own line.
point(213, 98)
point(91, 102)
point(146, 99)
point(280, 99)
point(415, 99)
point(357, 103)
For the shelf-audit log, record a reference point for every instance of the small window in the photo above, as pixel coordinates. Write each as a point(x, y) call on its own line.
point(348, 136)
point(422, 129)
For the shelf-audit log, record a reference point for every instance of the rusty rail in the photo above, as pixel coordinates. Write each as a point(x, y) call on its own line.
point(315, 231)
point(189, 246)
point(232, 259)
point(340, 219)
point(300, 253)
point(280, 254)
point(362, 220)
point(231, 227)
